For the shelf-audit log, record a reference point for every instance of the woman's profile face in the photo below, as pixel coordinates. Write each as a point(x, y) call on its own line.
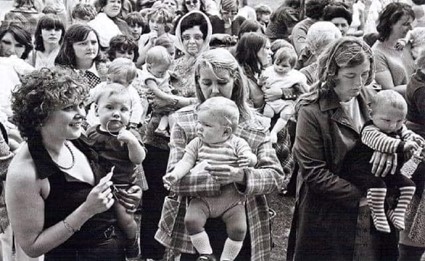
point(112, 8)
point(350, 80)
point(193, 40)
point(10, 46)
point(402, 26)
point(265, 54)
point(86, 49)
point(65, 122)
point(193, 5)
point(51, 35)
point(218, 83)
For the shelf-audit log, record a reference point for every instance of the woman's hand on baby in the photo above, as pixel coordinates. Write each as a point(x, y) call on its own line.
point(383, 163)
point(100, 197)
point(225, 174)
point(130, 198)
point(272, 94)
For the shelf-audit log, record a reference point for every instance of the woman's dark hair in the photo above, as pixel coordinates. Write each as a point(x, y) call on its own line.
point(48, 22)
point(41, 93)
point(134, 18)
point(250, 26)
point(337, 10)
point(202, 7)
point(247, 51)
point(75, 33)
point(20, 34)
point(314, 8)
point(122, 43)
point(391, 14)
point(102, 3)
point(192, 20)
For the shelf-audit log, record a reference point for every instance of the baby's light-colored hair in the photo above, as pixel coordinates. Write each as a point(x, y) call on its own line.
point(420, 60)
point(286, 53)
point(223, 110)
point(122, 68)
point(158, 55)
point(388, 98)
point(111, 89)
point(320, 34)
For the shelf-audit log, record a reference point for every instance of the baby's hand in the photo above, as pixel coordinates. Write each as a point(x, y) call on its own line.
point(262, 80)
point(248, 159)
point(401, 43)
point(169, 180)
point(410, 146)
point(126, 136)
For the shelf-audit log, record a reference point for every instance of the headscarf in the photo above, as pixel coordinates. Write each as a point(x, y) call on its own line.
point(207, 40)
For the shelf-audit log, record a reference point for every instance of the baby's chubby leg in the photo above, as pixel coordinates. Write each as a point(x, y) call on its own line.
point(236, 225)
point(196, 216)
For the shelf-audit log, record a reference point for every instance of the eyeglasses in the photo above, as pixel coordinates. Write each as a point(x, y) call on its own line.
point(193, 2)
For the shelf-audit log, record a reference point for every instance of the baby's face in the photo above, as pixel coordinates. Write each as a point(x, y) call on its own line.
point(159, 70)
point(387, 118)
point(114, 111)
point(209, 129)
point(282, 67)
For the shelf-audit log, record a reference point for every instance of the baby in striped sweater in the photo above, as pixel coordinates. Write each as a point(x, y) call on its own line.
point(385, 133)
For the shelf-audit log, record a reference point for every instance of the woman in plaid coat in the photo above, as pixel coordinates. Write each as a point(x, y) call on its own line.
point(218, 74)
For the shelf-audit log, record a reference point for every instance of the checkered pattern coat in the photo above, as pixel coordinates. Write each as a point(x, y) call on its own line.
point(265, 178)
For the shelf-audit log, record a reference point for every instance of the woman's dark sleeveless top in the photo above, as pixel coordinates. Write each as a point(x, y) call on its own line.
point(66, 196)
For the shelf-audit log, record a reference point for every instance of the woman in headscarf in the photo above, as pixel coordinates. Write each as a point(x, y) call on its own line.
point(193, 34)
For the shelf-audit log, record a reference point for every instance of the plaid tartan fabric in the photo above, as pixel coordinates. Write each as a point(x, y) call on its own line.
point(265, 178)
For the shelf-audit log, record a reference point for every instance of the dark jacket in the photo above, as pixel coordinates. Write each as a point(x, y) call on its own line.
point(327, 205)
point(415, 97)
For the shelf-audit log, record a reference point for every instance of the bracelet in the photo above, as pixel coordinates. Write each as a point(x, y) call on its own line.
point(69, 227)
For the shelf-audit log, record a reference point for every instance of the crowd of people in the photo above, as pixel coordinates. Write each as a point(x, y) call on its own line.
point(155, 130)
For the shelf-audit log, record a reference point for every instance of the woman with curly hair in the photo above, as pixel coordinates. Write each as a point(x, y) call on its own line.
point(60, 205)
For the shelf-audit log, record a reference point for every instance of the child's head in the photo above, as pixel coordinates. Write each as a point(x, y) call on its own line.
point(168, 43)
point(388, 111)
point(113, 107)
point(136, 23)
point(218, 118)
point(158, 61)
point(122, 71)
point(284, 60)
point(83, 13)
point(123, 46)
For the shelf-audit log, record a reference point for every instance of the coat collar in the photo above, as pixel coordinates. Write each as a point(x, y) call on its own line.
point(329, 101)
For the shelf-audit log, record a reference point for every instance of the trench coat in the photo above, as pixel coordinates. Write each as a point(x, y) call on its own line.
point(326, 212)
